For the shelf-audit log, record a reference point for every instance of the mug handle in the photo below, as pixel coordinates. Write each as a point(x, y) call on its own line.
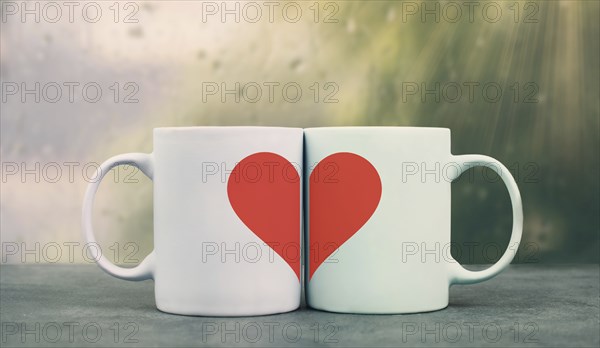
point(460, 275)
point(145, 269)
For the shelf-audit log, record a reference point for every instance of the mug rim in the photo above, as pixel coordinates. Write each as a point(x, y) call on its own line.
point(189, 128)
point(381, 128)
point(307, 128)
point(370, 127)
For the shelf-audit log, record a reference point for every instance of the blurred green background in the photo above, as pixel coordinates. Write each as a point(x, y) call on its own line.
point(516, 80)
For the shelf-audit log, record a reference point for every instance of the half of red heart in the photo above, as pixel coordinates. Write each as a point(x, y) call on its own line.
point(344, 191)
point(264, 192)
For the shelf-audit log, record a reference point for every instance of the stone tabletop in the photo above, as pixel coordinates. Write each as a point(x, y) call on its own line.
point(80, 305)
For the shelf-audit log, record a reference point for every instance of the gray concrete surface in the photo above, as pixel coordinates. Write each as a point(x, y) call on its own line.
point(71, 305)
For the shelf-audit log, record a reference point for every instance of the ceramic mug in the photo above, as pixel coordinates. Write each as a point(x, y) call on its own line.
point(227, 219)
point(378, 218)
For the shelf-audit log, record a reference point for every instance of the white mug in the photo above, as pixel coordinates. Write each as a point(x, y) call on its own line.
point(378, 219)
point(227, 219)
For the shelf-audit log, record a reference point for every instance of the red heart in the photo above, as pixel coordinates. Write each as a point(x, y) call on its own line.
point(264, 192)
point(345, 190)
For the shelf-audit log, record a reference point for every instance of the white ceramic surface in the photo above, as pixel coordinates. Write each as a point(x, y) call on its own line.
point(399, 260)
point(205, 260)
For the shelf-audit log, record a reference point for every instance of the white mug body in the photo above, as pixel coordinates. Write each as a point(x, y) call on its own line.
point(214, 192)
point(208, 261)
point(378, 219)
